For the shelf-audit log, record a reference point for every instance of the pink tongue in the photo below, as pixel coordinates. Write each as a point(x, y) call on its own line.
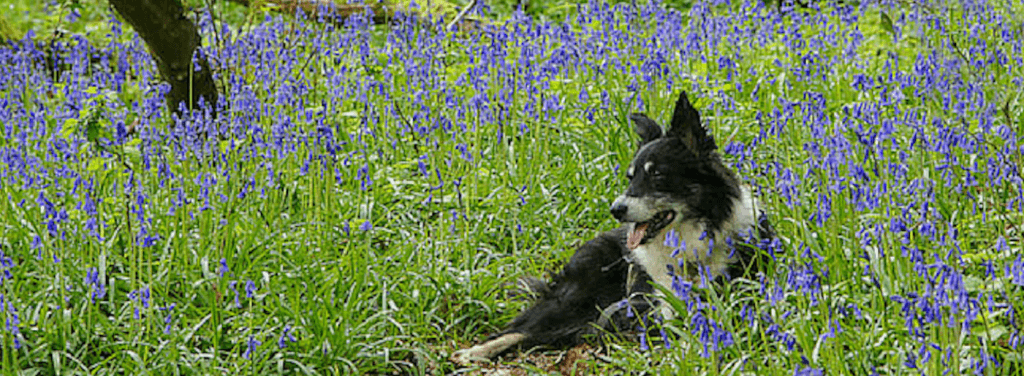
point(636, 235)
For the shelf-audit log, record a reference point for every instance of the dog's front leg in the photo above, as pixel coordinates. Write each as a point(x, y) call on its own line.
point(487, 350)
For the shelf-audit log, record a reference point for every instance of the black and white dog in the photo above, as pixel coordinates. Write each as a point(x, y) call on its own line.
point(684, 215)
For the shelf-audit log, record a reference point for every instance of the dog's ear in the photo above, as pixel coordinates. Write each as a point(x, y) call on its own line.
point(648, 129)
point(686, 126)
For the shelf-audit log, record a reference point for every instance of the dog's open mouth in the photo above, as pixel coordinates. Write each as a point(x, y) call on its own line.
point(644, 231)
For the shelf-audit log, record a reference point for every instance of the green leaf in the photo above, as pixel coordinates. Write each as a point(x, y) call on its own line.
point(69, 128)
point(887, 23)
point(95, 164)
point(92, 131)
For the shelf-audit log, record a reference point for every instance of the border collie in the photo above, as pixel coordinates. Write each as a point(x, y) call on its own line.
point(684, 215)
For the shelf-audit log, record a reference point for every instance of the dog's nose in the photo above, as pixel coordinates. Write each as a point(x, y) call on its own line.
point(619, 210)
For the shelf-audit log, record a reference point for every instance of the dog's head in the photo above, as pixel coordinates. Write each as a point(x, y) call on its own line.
point(675, 176)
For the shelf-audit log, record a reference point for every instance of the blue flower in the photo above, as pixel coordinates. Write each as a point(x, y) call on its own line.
point(231, 285)
point(251, 346)
point(142, 296)
point(910, 361)
point(92, 278)
point(285, 335)
point(223, 267)
point(807, 371)
point(6, 264)
point(250, 289)
point(169, 319)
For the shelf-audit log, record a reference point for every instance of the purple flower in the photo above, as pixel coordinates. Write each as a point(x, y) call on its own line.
point(37, 244)
point(223, 267)
point(455, 218)
point(250, 289)
point(12, 322)
point(712, 335)
point(251, 346)
point(169, 319)
point(833, 329)
point(92, 278)
point(6, 264)
point(142, 296)
point(231, 285)
point(286, 334)
point(807, 371)
point(910, 361)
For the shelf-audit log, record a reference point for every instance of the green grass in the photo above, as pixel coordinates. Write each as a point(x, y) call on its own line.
point(421, 283)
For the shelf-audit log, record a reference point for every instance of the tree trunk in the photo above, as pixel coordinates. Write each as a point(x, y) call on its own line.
point(172, 39)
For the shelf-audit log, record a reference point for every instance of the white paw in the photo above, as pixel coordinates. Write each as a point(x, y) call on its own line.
point(471, 355)
point(487, 350)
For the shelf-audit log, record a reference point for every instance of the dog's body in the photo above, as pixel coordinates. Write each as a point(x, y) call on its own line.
point(685, 216)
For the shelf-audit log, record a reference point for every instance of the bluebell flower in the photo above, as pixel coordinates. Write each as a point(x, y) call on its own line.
point(223, 269)
point(910, 361)
point(169, 319)
point(624, 303)
point(807, 371)
point(251, 346)
point(423, 167)
point(749, 315)
point(6, 264)
point(286, 335)
point(250, 289)
point(983, 362)
point(37, 244)
point(455, 218)
point(231, 285)
point(142, 296)
point(672, 240)
point(92, 278)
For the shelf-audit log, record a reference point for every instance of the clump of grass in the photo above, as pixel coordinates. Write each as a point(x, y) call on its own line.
point(363, 193)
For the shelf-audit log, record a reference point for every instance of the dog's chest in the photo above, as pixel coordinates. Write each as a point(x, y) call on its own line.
point(655, 257)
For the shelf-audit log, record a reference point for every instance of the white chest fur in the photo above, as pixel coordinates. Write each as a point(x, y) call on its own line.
point(655, 257)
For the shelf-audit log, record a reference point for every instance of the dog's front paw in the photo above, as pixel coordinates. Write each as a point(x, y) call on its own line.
point(471, 355)
point(487, 350)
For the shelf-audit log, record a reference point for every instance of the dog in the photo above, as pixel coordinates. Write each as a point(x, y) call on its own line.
point(684, 216)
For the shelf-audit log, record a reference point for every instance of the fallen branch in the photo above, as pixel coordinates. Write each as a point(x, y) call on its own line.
point(338, 13)
point(462, 14)
point(314, 8)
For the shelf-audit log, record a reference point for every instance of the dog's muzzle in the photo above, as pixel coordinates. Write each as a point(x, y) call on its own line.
point(619, 210)
point(642, 229)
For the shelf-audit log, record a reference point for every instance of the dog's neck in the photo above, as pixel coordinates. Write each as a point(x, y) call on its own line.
point(655, 257)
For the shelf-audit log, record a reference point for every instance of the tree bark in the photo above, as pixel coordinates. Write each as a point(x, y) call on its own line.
point(172, 40)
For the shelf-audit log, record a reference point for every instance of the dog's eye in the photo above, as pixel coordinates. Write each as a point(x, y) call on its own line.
point(651, 169)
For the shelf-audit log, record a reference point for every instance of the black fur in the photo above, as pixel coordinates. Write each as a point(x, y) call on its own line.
point(686, 166)
point(594, 280)
point(648, 129)
point(687, 127)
